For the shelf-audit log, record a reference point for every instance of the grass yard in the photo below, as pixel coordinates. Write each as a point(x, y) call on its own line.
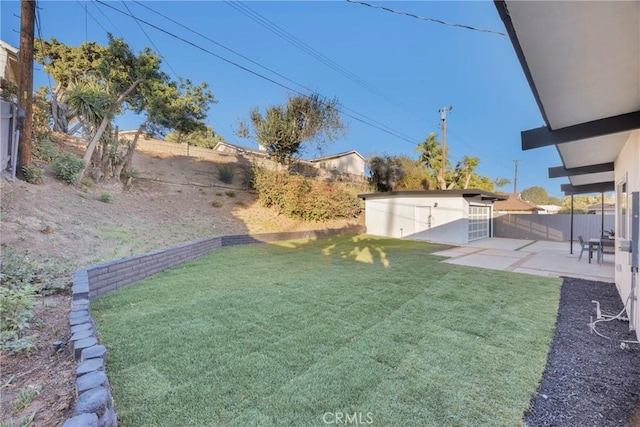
point(300, 332)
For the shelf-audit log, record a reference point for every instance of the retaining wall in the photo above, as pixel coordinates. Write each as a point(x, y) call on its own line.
point(94, 403)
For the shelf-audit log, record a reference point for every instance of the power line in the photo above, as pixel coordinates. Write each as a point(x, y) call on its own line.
point(108, 20)
point(221, 45)
point(437, 21)
point(150, 41)
point(390, 132)
point(295, 41)
point(39, 29)
point(263, 67)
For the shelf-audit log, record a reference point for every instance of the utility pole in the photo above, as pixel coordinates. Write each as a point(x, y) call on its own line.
point(515, 178)
point(443, 118)
point(25, 81)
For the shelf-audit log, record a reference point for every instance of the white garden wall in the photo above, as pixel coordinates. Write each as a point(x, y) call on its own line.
point(627, 166)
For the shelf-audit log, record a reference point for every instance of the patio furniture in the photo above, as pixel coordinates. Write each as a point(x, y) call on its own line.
point(583, 247)
point(595, 244)
point(607, 246)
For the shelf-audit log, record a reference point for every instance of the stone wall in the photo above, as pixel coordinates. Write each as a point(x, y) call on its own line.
point(94, 404)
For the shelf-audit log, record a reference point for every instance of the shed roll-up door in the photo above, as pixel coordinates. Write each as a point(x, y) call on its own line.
point(479, 217)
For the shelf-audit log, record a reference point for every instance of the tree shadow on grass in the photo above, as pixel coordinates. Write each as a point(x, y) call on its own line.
point(362, 248)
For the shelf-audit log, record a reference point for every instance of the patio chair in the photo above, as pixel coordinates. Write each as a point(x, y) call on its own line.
point(584, 246)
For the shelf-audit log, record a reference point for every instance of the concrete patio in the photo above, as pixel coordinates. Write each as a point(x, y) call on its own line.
point(537, 257)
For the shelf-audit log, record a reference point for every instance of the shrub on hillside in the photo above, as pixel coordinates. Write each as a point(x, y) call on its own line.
point(33, 174)
point(18, 270)
point(303, 198)
point(225, 173)
point(43, 149)
point(20, 280)
point(67, 168)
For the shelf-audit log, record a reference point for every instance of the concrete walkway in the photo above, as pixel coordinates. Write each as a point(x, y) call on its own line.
point(542, 258)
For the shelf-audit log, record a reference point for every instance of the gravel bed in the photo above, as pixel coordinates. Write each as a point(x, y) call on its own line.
point(588, 380)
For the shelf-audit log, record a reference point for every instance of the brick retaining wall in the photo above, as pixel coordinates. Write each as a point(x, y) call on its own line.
point(94, 403)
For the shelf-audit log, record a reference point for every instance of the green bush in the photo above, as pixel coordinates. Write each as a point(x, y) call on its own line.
point(16, 313)
point(131, 174)
point(33, 174)
point(230, 193)
point(43, 149)
point(304, 198)
point(17, 270)
point(105, 198)
point(248, 177)
point(226, 172)
point(216, 204)
point(67, 168)
point(20, 281)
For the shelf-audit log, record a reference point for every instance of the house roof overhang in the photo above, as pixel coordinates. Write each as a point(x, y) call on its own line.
point(336, 156)
point(467, 193)
point(582, 62)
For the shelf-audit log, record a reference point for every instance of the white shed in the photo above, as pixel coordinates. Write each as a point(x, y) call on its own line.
point(441, 216)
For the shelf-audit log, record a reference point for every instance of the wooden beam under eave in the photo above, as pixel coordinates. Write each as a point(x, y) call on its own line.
point(543, 136)
point(598, 187)
point(561, 171)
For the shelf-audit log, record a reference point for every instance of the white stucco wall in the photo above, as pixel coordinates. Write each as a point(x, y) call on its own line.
point(396, 217)
point(628, 165)
point(351, 164)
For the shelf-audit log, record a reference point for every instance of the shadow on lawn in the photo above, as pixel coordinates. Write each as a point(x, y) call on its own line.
point(361, 248)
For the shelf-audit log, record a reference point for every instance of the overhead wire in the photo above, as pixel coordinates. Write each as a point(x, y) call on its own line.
point(150, 40)
point(423, 18)
point(369, 123)
point(39, 30)
point(108, 20)
point(243, 8)
point(263, 66)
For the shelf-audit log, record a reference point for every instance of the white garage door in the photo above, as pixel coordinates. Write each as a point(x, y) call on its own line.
point(478, 222)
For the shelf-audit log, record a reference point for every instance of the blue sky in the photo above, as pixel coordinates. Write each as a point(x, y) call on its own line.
point(396, 70)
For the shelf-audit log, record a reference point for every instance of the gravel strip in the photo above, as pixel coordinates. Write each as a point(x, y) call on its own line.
point(588, 380)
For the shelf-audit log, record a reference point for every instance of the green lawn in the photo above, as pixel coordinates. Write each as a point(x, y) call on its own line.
point(286, 334)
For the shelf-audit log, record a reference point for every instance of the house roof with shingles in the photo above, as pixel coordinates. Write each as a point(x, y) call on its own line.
point(515, 204)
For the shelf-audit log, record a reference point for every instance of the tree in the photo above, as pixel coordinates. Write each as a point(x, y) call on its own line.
point(284, 128)
point(415, 176)
point(66, 65)
point(481, 182)
point(118, 79)
point(205, 138)
point(537, 195)
point(386, 172)
point(501, 182)
point(430, 152)
point(457, 177)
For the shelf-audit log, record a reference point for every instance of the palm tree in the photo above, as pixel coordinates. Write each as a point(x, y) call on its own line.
point(430, 152)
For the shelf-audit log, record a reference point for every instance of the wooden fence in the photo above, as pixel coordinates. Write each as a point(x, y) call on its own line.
point(551, 227)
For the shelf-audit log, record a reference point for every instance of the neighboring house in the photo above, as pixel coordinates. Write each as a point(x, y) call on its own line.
point(515, 205)
point(442, 216)
point(350, 162)
point(226, 148)
point(581, 60)
point(8, 62)
point(549, 209)
point(596, 208)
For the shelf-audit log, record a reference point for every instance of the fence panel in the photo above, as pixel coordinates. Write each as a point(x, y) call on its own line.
point(551, 227)
point(6, 133)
